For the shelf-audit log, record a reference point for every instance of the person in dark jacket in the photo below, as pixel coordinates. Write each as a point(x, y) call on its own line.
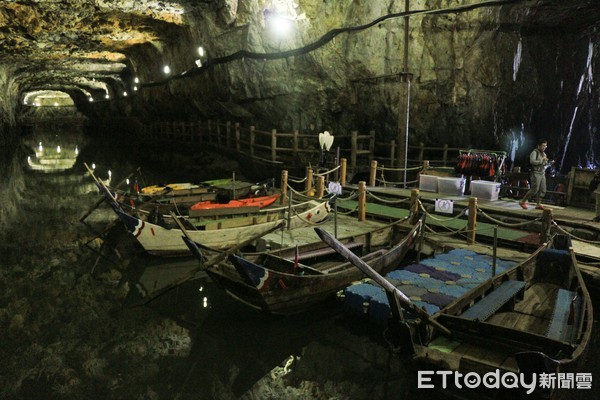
point(595, 191)
point(537, 177)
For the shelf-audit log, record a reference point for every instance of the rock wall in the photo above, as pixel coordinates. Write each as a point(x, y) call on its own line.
point(11, 173)
point(493, 78)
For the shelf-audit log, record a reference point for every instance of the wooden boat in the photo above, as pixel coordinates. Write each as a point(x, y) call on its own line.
point(291, 280)
point(182, 196)
point(221, 232)
point(257, 202)
point(164, 198)
point(535, 317)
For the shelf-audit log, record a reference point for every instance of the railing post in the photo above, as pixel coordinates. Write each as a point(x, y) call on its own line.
point(228, 134)
point(354, 149)
point(373, 173)
point(208, 130)
point(284, 184)
point(362, 201)
point(472, 222)
point(252, 140)
point(219, 133)
point(343, 170)
point(320, 186)
point(546, 225)
point(309, 178)
point(421, 151)
point(414, 205)
point(274, 145)
point(445, 154)
point(425, 164)
point(238, 135)
point(295, 143)
point(372, 145)
point(392, 153)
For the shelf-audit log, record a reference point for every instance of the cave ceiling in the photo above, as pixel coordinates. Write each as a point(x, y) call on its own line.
point(84, 45)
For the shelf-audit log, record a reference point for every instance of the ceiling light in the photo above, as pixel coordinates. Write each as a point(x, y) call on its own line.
point(198, 63)
point(167, 69)
point(107, 96)
point(201, 51)
point(90, 99)
point(124, 94)
point(136, 80)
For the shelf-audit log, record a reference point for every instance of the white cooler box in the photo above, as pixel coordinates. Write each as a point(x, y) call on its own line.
point(451, 186)
point(428, 183)
point(485, 190)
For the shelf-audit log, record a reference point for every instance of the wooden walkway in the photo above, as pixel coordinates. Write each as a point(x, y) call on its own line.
point(577, 221)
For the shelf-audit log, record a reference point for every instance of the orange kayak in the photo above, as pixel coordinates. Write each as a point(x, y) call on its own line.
point(260, 202)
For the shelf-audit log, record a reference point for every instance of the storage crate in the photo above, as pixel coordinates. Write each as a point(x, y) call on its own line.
point(485, 190)
point(451, 186)
point(428, 183)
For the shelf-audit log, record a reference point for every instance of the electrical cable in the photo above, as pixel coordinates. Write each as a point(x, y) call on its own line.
point(323, 40)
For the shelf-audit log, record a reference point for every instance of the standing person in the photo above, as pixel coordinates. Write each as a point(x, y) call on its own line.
point(539, 161)
point(595, 190)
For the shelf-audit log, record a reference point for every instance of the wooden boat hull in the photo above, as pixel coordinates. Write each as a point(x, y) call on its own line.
point(533, 318)
point(544, 330)
point(295, 287)
point(164, 241)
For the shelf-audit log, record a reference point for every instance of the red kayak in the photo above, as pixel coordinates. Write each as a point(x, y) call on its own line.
point(260, 202)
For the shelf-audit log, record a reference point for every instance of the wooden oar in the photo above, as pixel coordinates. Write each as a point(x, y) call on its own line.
point(371, 273)
point(204, 263)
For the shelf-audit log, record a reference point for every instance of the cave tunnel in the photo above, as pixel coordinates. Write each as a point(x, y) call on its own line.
point(207, 87)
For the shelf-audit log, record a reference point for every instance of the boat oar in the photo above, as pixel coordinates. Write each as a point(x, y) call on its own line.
point(371, 273)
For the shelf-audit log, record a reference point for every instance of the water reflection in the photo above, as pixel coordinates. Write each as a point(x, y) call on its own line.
point(54, 152)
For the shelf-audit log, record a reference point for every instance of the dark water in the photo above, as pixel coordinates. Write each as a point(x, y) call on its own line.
point(232, 346)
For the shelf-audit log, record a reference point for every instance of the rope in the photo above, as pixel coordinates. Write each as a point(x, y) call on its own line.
point(497, 221)
point(395, 183)
point(440, 219)
point(449, 233)
point(352, 196)
point(302, 194)
point(387, 201)
point(297, 180)
point(382, 168)
point(328, 172)
point(571, 235)
point(348, 212)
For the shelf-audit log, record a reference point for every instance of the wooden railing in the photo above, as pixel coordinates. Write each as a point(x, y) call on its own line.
point(386, 153)
point(272, 145)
